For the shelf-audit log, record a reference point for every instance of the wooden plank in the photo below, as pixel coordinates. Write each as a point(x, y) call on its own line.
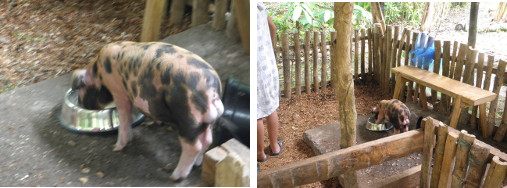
point(496, 173)
point(407, 178)
point(376, 53)
point(446, 56)
point(331, 47)
point(219, 18)
point(477, 165)
point(502, 129)
point(414, 41)
point(363, 53)
point(436, 69)
point(308, 83)
point(315, 61)
point(176, 12)
point(408, 47)
point(356, 55)
point(429, 143)
point(200, 12)
point(209, 164)
point(231, 29)
point(454, 56)
point(232, 172)
point(465, 140)
point(152, 18)
point(323, 51)
point(243, 19)
point(439, 154)
point(496, 89)
point(334, 163)
point(458, 71)
point(489, 71)
point(448, 160)
point(387, 60)
point(370, 51)
point(286, 66)
point(471, 95)
point(393, 55)
point(478, 83)
point(455, 112)
point(468, 78)
point(297, 53)
point(401, 46)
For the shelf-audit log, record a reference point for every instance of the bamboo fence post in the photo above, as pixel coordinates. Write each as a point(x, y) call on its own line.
point(344, 82)
point(446, 56)
point(376, 53)
point(297, 53)
point(308, 83)
point(401, 46)
point(458, 71)
point(408, 47)
point(370, 53)
point(219, 18)
point(448, 160)
point(429, 142)
point(477, 166)
point(465, 140)
point(243, 20)
point(323, 50)
point(393, 53)
point(200, 12)
point(500, 133)
point(416, 89)
point(176, 12)
point(439, 154)
point(331, 47)
point(356, 54)
point(387, 59)
point(468, 78)
point(496, 173)
point(496, 89)
point(152, 19)
point(455, 48)
point(231, 28)
point(315, 62)
point(363, 53)
point(286, 66)
point(489, 70)
point(478, 83)
point(436, 69)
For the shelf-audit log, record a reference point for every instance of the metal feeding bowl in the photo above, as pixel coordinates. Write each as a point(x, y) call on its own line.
point(81, 120)
point(372, 126)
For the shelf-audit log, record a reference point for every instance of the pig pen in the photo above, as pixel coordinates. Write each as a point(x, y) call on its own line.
point(37, 151)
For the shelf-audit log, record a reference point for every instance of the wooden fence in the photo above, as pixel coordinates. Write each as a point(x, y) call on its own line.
point(376, 53)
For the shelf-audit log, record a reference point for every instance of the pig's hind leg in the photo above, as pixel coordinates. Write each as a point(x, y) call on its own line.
point(191, 154)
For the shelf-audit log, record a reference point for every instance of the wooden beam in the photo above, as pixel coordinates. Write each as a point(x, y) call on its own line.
point(332, 164)
point(151, 20)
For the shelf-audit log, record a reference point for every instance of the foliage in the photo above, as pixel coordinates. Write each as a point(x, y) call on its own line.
point(408, 12)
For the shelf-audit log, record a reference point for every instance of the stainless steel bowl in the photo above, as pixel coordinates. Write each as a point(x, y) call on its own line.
point(372, 126)
point(78, 119)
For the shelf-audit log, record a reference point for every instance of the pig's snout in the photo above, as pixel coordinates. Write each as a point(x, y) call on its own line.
point(406, 122)
point(216, 110)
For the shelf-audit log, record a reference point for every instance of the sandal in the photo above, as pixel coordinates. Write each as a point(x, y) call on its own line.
point(262, 160)
point(280, 143)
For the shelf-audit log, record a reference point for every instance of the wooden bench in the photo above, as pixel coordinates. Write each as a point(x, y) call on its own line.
point(464, 95)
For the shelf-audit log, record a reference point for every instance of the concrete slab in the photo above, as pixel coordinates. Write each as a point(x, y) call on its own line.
point(36, 151)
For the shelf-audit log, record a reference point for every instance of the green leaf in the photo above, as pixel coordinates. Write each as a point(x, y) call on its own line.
point(297, 13)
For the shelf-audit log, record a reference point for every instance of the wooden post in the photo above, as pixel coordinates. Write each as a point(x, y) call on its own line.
point(370, 52)
point(387, 57)
point(465, 140)
point(468, 78)
point(489, 70)
point(478, 81)
point(243, 17)
point(472, 28)
point(363, 52)
point(286, 66)
point(502, 129)
point(323, 50)
point(176, 12)
point(151, 21)
point(315, 62)
point(401, 46)
point(308, 82)
point(478, 160)
point(448, 160)
point(200, 12)
point(454, 56)
point(496, 89)
point(231, 29)
point(377, 15)
point(376, 53)
point(427, 19)
point(408, 47)
point(436, 70)
point(496, 173)
point(356, 54)
point(219, 18)
point(439, 154)
point(331, 52)
point(394, 49)
point(458, 71)
point(344, 81)
point(416, 88)
point(297, 53)
point(429, 142)
point(446, 56)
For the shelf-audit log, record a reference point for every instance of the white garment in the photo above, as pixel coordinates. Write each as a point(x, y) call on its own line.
point(267, 71)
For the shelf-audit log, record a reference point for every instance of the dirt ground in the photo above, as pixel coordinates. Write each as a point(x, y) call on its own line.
point(45, 39)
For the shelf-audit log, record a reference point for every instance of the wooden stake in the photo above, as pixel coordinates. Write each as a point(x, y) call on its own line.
point(363, 52)
point(414, 41)
point(458, 71)
point(370, 52)
point(219, 18)
point(477, 165)
point(446, 72)
point(200, 12)
point(331, 52)
point(376, 53)
point(439, 154)
point(478, 81)
point(496, 173)
point(151, 20)
point(436, 69)
point(454, 56)
point(176, 12)
point(286, 66)
point(315, 62)
point(308, 82)
point(429, 142)
point(489, 70)
point(448, 160)
point(468, 78)
point(297, 53)
point(502, 129)
point(243, 17)
point(465, 140)
point(356, 54)
point(496, 89)
point(323, 50)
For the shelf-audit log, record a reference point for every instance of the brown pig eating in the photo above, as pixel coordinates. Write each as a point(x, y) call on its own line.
point(395, 112)
point(165, 82)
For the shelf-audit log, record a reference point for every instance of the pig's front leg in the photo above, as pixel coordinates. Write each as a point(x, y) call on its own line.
point(380, 117)
point(125, 135)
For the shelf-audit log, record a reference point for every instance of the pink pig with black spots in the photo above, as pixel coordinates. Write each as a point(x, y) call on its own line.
point(163, 81)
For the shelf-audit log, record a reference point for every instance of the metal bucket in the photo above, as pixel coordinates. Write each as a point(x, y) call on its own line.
point(372, 126)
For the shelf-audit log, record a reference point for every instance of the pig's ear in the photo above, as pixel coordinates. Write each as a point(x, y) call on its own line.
point(78, 79)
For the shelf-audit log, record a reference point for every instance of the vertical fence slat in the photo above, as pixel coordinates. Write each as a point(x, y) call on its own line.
point(446, 56)
point(439, 154)
point(458, 71)
point(496, 89)
point(410, 84)
point(315, 62)
point(500, 133)
point(333, 37)
point(489, 70)
point(393, 55)
point(496, 173)
point(429, 143)
point(454, 56)
point(356, 54)
point(408, 47)
point(219, 18)
point(286, 66)
point(478, 83)
point(176, 12)
point(468, 78)
point(436, 68)
point(401, 46)
point(370, 51)
point(478, 158)
point(297, 54)
point(363, 53)
point(447, 161)
point(387, 59)
point(308, 83)
point(460, 166)
point(376, 53)
point(323, 51)
point(199, 12)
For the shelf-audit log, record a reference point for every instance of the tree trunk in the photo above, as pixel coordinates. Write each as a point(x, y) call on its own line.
point(472, 28)
point(378, 17)
point(344, 81)
point(428, 17)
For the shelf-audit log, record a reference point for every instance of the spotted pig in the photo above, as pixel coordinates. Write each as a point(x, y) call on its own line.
point(165, 82)
point(395, 112)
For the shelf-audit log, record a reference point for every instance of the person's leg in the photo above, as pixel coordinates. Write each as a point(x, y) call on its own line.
point(260, 140)
point(272, 121)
